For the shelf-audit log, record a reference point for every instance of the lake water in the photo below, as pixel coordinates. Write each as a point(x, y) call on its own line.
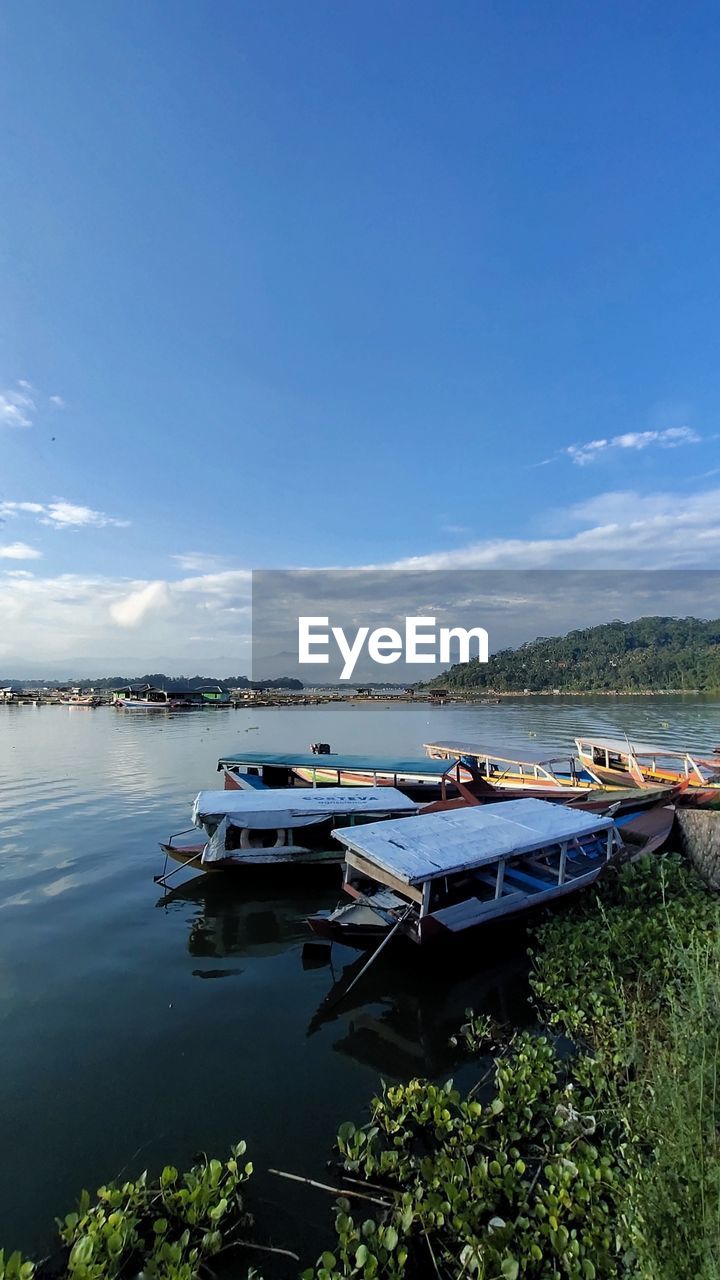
point(140, 1026)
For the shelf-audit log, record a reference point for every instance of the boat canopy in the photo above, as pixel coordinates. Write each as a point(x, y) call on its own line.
point(360, 764)
point(296, 807)
point(479, 752)
point(624, 747)
point(441, 844)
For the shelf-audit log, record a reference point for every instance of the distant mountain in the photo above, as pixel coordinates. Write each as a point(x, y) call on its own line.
point(649, 654)
point(160, 681)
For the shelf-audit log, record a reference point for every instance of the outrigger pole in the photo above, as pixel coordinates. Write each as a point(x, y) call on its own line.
point(401, 920)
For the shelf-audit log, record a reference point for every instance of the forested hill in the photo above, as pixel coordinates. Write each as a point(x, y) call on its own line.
point(651, 653)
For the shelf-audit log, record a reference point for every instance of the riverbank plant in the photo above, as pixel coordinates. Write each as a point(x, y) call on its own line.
point(167, 1229)
point(595, 1150)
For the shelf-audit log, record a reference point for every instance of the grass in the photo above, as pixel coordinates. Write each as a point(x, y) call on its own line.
point(642, 990)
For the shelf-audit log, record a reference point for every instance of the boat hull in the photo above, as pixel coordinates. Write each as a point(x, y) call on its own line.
point(432, 929)
point(372, 778)
point(260, 861)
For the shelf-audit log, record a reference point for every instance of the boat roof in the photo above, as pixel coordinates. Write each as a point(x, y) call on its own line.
point(307, 760)
point(439, 844)
point(491, 753)
point(622, 746)
point(297, 806)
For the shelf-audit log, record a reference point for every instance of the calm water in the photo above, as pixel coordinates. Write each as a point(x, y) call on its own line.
point(140, 1026)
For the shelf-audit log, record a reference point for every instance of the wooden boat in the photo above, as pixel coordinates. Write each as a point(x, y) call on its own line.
point(281, 827)
point(421, 778)
point(448, 872)
point(536, 774)
point(619, 762)
point(80, 700)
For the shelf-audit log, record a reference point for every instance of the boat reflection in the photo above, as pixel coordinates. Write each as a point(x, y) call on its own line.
point(224, 921)
point(401, 1016)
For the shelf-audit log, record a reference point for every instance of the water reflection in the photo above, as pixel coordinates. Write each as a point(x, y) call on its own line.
point(227, 918)
point(401, 1015)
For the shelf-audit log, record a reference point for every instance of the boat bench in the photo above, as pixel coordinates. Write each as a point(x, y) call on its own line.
point(464, 914)
point(512, 877)
point(253, 781)
point(486, 877)
point(515, 876)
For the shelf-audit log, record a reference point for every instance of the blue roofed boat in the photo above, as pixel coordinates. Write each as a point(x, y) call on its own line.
point(447, 872)
point(420, 776)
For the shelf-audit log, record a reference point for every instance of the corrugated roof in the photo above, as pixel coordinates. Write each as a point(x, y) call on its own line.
point(306, 760)
point(437, 844)
point(296, 806)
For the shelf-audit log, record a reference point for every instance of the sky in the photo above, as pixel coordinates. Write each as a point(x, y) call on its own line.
point(393, 284)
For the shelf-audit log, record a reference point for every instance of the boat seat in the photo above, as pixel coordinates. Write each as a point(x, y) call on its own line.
point(515, 876)
point(462, 915)
point(253, 781)
point(486, 877)
point(385, 898)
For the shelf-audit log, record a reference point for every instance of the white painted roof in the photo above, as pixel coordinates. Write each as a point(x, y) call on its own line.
point(296, 806)
point(621, 746)
point(491, 753)
point(436, 844)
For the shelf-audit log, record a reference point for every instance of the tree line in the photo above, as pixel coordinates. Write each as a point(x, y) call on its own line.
point(647, 654)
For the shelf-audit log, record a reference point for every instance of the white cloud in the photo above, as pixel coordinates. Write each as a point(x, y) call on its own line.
point(85, 624)
point(60, 514)
point(671, 438)
point(17, 406)
point(632, 530)
point(63, 515)
point(201, 622)
point(199, 562)
point(133, 608)
point(21, 404)
point(19, 551)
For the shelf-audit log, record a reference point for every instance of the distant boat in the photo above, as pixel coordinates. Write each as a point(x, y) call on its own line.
point(620, 762)
point(281, 827)
point(80, 700)
point(446, 873)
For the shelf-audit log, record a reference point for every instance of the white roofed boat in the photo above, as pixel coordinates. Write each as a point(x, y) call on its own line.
point(281, 826)
point(448, 872)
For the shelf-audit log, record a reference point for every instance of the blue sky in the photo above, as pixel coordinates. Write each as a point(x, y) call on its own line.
point(344, 284)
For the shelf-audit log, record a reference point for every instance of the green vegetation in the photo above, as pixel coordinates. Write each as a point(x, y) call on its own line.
point(159, 681)
point(163, 1230)
point(599, 1162)
point(651, 653)
point(586, 1152)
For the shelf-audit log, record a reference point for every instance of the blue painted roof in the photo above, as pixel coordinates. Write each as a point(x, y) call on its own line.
point(383, 764)
point(439, 844)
